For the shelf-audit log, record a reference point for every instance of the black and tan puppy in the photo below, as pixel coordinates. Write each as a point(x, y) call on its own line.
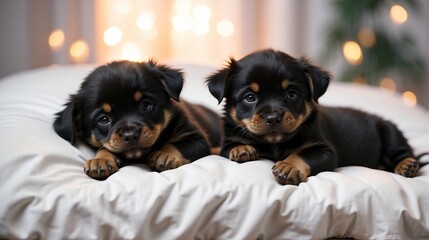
point(271, 112)
point(131, 112)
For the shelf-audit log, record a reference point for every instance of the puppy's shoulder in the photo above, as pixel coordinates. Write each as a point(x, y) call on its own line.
point(347, 116)
point(342, 111)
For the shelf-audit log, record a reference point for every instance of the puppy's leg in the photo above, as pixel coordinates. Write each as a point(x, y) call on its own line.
point(292, 170)
point(102, 165)
point(168, 157)
point(243, 153)
point(397, 150)
point(309, 161)
point(407, 167)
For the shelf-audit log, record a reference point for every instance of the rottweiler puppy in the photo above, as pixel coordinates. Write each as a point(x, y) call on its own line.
point(271, 111)
point(131, 113)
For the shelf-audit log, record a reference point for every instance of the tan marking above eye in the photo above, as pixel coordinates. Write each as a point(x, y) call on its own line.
point(255, 87)
point(138, 95)
point(107, 108)
point(285, 83)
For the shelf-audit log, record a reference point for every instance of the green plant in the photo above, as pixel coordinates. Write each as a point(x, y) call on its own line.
point(384, 53)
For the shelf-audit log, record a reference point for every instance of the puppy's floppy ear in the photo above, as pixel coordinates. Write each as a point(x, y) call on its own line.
point(68, 123)
point(171, 78)
point(218, 82)
point(318, 79)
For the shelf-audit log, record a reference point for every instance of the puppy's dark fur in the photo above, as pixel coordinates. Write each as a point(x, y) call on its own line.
point(271, 112)
point(131, 113)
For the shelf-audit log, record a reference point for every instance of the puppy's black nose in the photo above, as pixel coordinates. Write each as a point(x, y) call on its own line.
point(272, 119)
point(129, 135)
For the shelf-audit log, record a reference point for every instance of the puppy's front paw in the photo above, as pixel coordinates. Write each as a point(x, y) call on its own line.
point(292, 170)
point(407, 167)
point(101, 168)
point(166, 158)
point(243, 153)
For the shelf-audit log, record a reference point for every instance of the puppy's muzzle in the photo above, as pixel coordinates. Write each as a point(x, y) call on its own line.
point(129, 133)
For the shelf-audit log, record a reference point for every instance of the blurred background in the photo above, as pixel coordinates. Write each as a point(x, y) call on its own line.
point(382, 43)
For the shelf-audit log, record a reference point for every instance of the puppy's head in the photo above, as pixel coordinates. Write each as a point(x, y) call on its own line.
point(269, 94)
point(122, 106)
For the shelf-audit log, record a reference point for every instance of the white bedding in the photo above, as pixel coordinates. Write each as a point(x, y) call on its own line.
point(45, 194)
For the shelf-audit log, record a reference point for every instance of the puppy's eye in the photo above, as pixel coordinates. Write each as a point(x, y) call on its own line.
point(292, 95)
point(103, 121)
point(250, 98)
point(146, 106)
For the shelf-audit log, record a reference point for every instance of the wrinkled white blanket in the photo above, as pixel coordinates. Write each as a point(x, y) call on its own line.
point(45, 194)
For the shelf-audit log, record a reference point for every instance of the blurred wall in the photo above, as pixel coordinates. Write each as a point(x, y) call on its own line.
point(14, 35)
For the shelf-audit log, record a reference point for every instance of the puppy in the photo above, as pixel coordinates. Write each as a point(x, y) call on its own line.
point(272, 112)
point(131, 112)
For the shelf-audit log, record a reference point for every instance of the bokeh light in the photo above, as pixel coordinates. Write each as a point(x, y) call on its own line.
point(112, 36)
point(398, 14)
point(202, 12)
point(352, 52)
point(367, 37)
point(56, 39)
point(225, 28)
point(132, 51)
point(146, 20)
point(182, 22)
point(409, 98)
point(388, 84)
point(79, 51)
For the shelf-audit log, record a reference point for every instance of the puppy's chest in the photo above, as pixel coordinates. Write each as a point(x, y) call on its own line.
point(275, 152)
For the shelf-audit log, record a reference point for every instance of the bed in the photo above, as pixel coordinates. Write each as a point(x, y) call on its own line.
point(44, 193)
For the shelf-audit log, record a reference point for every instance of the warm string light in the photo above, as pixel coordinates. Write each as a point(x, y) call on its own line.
point(112, 36)
point(201, 15)
point(79, 51)
point(225, 28)
point(56, 39)
point(398, 14)
point(409, 98)
point(188, 16)
point(367, 37)
point(146, 20)
point(131, 51)
point(352, 52)
point(197, 18)
point(181, 22)
point(387, 84)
